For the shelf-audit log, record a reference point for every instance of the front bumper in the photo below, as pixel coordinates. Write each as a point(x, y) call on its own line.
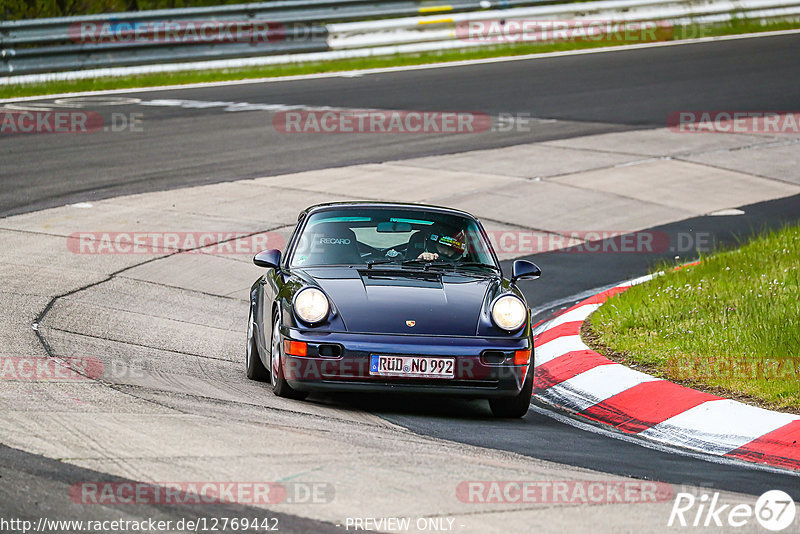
point(484, 367)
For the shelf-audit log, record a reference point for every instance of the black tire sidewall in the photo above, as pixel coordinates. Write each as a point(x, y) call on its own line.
point(517, 406)
point(254, 367)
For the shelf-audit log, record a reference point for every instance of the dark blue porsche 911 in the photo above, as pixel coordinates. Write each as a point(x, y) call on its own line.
point(381, 297)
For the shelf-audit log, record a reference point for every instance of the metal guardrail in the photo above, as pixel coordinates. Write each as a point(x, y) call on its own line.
point(49, 45)
point(298, 30)
point(415, 30)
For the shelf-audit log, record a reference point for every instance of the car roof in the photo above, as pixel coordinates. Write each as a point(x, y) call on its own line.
point(374, 204)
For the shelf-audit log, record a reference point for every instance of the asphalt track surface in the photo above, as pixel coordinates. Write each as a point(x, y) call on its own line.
point(585, 94)
point(590, 93)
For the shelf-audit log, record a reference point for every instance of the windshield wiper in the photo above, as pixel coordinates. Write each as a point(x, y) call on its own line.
point(370, 263)
point(478, 264)
point(426, 264)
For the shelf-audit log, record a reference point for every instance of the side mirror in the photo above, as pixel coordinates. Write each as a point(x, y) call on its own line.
point(270, 259)
point(525, 270)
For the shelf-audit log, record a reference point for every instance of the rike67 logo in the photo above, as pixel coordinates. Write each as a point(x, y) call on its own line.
point(774, 510)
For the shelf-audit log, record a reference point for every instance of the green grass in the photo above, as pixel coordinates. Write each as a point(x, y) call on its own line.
point(730, 325)
point(177, 78)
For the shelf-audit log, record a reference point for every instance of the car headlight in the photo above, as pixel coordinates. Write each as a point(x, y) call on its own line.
point(311, 305)
point(508, 312)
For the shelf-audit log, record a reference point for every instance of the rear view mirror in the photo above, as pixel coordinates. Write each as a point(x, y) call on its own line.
point(393, 227)
point(270, 259)
point(525, 270)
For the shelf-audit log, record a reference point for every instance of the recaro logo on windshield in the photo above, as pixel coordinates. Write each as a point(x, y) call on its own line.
point(334, 241)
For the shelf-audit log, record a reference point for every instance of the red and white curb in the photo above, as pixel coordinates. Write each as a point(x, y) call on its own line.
point(573, 377)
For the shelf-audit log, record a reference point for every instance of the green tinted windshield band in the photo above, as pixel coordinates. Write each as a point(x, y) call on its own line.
point(340, 219)
point(411, 221)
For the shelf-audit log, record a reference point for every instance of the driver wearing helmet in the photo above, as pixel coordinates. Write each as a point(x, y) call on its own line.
point(444, 243)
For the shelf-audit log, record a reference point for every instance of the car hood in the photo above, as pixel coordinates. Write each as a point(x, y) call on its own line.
point(407, 302)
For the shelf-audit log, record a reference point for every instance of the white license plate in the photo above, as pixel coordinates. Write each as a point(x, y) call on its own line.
point(412, 366)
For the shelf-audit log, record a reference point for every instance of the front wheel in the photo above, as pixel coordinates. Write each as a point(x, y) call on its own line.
point(280, 387)
point(517, 406)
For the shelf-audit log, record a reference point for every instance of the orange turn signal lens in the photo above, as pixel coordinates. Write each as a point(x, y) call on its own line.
point(299, 348)
point(522, 357)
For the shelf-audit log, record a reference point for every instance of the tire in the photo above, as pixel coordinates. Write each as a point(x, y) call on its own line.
point(255, 367)
point(280, 387)
point(517, 406)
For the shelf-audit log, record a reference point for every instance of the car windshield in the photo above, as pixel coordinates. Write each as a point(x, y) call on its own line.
point(405, 237)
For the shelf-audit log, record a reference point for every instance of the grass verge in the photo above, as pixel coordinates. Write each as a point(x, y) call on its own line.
point(730, 325)
point(178, 78)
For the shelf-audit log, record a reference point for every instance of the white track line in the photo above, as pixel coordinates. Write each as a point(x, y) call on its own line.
point(558, 347)
point(718, 426)
point(594, 386)
point(647, 444)
point(578, 314)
